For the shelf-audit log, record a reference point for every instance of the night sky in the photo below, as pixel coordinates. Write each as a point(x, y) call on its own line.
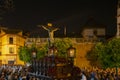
point(72, 14)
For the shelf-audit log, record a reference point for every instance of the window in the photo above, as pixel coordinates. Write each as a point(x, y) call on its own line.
point(11, 50)
point(10, 62)
point(95, 32)
point(11, 40)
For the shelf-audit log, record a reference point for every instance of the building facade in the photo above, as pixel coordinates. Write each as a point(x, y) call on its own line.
point(10, 41)
point(118, 19)
point(93, 32)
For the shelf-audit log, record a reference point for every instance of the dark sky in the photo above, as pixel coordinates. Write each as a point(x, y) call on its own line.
point(73, 14)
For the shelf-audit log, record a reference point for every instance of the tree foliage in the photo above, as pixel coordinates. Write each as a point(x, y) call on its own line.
point(41, 52)
point(94, 53)
point(24, 54)
point(106, 54)
point(62, 45)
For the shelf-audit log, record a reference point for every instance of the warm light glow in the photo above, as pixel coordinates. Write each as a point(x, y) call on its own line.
point(72, 53)
point(49, 24)
point(52, 50)
point(34, 54)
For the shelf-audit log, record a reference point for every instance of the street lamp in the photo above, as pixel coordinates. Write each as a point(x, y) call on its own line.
point(52, 51)
point(34, 56)
point(71, 53)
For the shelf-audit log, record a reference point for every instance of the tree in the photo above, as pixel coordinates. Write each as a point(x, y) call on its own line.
point(62, 45)
point(107, 54)
point(24, 54)
point(41, 52)
point(94, 53)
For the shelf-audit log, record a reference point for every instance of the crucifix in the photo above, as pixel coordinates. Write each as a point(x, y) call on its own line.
point(51, 31)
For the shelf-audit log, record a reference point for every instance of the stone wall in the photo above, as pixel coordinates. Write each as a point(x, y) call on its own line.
point(81, 51)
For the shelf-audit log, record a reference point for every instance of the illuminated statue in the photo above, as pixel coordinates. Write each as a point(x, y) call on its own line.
point(51, 31)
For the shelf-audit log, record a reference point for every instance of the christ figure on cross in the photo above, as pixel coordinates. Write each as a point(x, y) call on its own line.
point(51, 31)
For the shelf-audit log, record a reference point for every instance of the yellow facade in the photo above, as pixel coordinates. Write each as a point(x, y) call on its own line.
point(10, 41)
point(81, 51)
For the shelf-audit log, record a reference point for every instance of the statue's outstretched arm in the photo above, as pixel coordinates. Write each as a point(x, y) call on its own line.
point(55, 29)
point(44, 27)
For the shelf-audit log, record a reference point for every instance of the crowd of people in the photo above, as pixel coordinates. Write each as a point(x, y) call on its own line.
point(21, 73)
point(99, 74)
point(14, 72)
